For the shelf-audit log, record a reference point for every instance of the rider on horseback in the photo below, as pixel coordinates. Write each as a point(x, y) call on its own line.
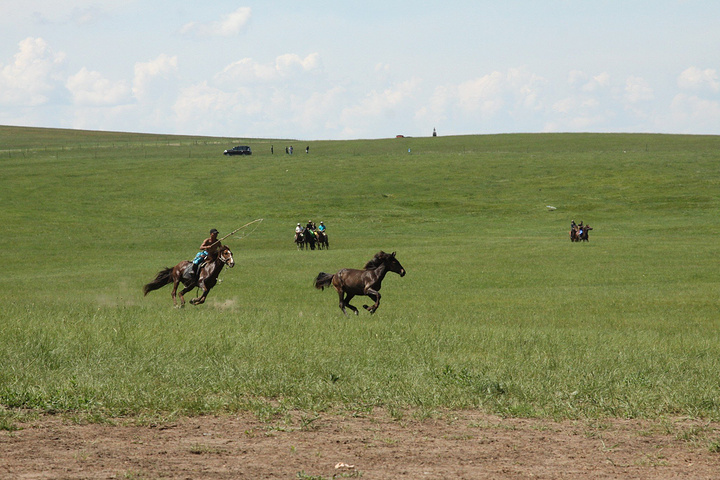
point(321, 228)
point(209, 246)
point(311, 228)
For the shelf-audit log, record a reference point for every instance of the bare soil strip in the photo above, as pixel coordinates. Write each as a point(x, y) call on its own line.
point(466, 445)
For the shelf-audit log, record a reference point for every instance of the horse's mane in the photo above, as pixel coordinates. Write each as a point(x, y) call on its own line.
point(214, 256)
point(376, 261)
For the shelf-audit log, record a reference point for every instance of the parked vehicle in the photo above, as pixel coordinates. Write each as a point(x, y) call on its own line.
point(239, 150)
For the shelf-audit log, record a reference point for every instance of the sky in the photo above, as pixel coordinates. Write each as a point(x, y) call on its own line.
point(335, 70)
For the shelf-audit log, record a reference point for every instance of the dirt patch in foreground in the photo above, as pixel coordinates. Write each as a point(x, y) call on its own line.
point(465, 445)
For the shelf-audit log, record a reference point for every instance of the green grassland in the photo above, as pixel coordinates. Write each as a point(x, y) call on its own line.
point(499, 310)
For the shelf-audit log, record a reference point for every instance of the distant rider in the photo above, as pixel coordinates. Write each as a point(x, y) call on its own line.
point(311, 228)
point(298, 231)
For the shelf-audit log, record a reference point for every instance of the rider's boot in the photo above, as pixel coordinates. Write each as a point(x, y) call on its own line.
point(194, 271)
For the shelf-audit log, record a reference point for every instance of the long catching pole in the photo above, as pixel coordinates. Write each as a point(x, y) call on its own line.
point(238, 229)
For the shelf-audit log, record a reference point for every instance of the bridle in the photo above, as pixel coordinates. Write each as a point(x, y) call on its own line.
point(222, 258)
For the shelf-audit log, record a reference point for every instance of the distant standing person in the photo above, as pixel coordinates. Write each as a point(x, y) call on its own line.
point(272, 150)
point(307, 149)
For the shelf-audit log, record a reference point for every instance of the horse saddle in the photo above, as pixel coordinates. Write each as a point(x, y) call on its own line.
point(190, 273)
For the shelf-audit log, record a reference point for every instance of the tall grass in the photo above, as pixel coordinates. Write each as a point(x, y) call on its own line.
point(499, 311)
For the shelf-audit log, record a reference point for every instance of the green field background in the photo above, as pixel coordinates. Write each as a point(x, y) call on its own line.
point(499, 311)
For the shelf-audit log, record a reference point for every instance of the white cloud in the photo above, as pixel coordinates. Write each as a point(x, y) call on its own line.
point(290, 63)
point(248, 71)
point(638, 89)
point(203, 99)
point(146, 73)
point(576, 77)
point(482, 94)
point(515, 93)
point(205, 109)
point(32, 76)
point(63, 12)
point(320, 109)
point(695, 78)
point(381, 103)
point(230, 25)
point(92, 89)
point(575, 113)
point(693, 114)
point(597, 82)
point(380, 108)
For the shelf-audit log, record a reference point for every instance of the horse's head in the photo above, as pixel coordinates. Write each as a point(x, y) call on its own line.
point(387, 259)
point(226, 256)
point(394, 265)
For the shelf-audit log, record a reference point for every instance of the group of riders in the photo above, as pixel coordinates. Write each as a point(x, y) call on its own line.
point(310, 235)
point(210, 246)
point(579, 232)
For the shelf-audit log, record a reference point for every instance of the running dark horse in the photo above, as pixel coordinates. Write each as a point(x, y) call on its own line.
point(182, 272)
point(350, 282)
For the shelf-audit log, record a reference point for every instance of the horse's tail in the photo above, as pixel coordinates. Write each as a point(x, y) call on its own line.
point(323, 280)
point(161, 279)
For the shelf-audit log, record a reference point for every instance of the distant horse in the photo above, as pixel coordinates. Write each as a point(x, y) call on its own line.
point(322, 240)
point(583, 235)
point(309, 238)
point(182, 272)
point(350, 282)
point(574, 230)
point(300, 240)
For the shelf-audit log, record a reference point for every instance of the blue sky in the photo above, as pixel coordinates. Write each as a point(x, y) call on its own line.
point(361, 69)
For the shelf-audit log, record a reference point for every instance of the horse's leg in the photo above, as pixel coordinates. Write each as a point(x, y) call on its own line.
point(341, 294)
point(182, 294)
point(201, 299)
point(346, 303)
point(176, 282)
point(374, 295)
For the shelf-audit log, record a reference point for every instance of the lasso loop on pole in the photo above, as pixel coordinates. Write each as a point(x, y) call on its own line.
point(255, 222)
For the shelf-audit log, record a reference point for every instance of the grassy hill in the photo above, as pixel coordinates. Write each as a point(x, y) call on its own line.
point(498, 311)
